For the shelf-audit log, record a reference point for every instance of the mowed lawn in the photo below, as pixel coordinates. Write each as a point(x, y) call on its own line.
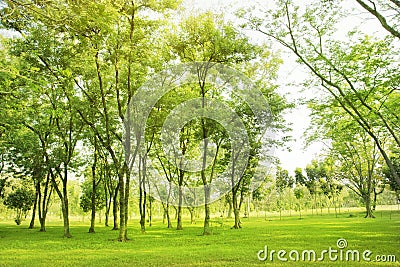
point(226, 247)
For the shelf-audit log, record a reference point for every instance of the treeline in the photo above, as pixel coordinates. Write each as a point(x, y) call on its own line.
point(69, 76)
point(75, 72)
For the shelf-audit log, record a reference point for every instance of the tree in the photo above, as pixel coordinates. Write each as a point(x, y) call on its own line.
point(113, 38)
point(208, 39)
point(299, 194)
point(360, 76)
point(92, 199)
point(21, 200)
point(358, 159)
point(282, 181)
point(315, 173)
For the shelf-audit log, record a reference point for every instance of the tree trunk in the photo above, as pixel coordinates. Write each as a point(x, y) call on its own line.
point(237, 224)
point(93, 213)
point(334, 204)
point(115, 208)
point(32, 223)
point(367, 200)
point(142, 193)
point(230, 209)
point(107, 214)
point(192, 215)
point(179, 211)
point(206, 228)
point(64, 199)
point(43, 205)
point(94, 187)
point(65, 213)
point(142, 209)
point(42, 222)
point(150, 209)
point(126, 199)
point(235, 205)
point(108, 205)
point(122, 226)
point(280, 205)
point(300, 210)
point(375, 198)
point(166, 210)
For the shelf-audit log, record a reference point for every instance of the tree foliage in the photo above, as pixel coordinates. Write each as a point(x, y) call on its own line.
point(21, 200)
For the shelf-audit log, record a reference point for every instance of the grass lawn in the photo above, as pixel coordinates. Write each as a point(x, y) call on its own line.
point(226, 247)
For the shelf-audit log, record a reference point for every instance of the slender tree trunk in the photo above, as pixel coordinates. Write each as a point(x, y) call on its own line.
point(334, 204)
point(64, 199)
point(179, 211)
point(192, 215)
point(107, 211)
point(115, 208)
point(142, 209)
point(65, 210)
point(280, 206)
point(150, 212)
point(376, 196)
point(300, 209)
point(315, 204)
point(126, 204)
point(43, 205)
point(169, 224)
point(94, 188)
point(122, 226)
point(32, 223)
point(142, 194)
point(229, 209)
point(235, 206)
point(206, 228)
point(93, 209)
point(320, 204)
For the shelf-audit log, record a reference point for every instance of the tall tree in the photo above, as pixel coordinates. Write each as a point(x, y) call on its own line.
point(207, 38)
point(360, 76)
point(112, 37)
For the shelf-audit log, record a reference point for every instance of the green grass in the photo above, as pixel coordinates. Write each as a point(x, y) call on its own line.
point(226, 247)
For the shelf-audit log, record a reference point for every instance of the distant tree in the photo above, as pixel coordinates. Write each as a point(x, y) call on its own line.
point(21, 200)
point(315, 172)
point(299, 194)
point(283, 180)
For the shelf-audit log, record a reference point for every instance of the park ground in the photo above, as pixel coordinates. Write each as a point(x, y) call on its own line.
point(160, 246)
